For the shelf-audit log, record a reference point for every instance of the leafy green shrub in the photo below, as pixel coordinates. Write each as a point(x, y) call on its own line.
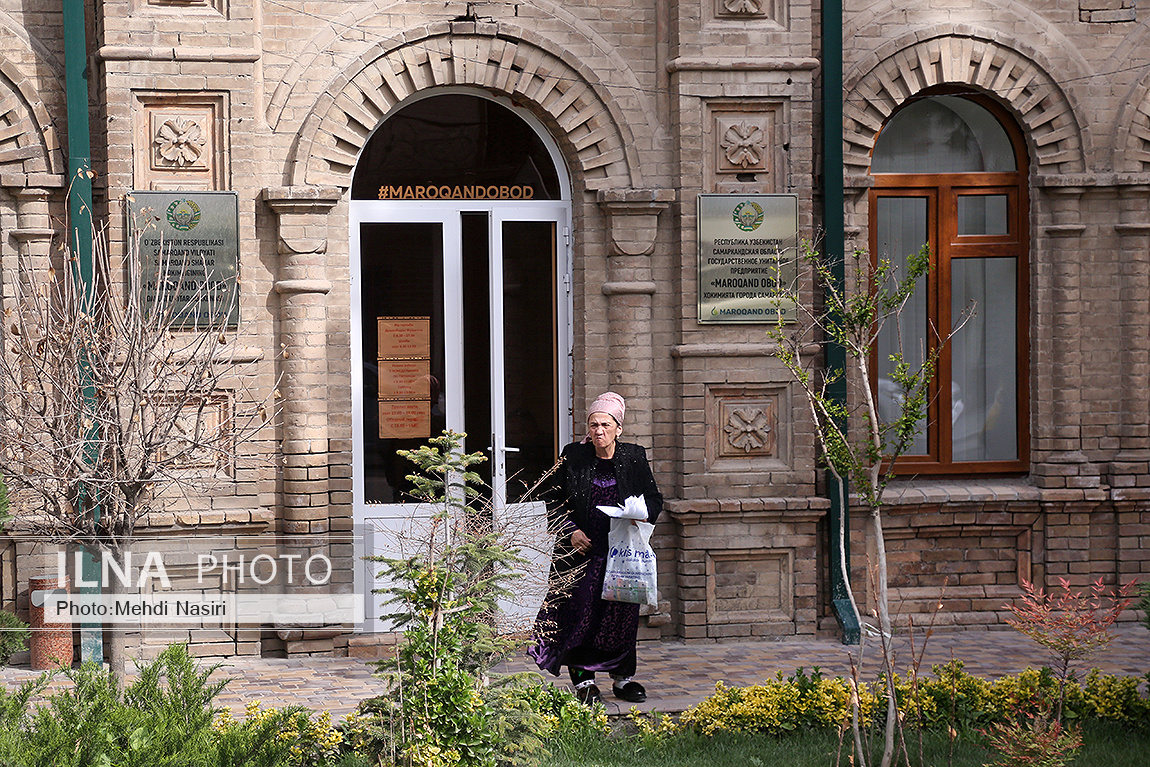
point(778, 706)
point(1116, 699)
point(310, 740)
point(951, 699)
point(444, 599)
point(525, 715)
point(531, 715)
point(166, 717)
point(13, 635)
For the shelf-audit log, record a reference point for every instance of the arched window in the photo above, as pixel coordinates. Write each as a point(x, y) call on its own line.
point(950, 172)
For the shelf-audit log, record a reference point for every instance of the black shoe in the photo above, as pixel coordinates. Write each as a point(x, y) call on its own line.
point(632, 692)
point(589, 695)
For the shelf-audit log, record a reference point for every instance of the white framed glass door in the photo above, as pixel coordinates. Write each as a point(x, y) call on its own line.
point(461, 321)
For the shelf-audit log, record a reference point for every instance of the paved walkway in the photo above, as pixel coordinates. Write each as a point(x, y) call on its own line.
point(677, 675)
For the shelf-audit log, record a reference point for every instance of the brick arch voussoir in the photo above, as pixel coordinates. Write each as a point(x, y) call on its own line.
point(343, 119)
point(28, 141)
point(1132, 131)
point(1042, 107)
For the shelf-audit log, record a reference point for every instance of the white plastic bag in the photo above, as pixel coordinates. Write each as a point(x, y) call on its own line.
point(631, 574)
point(635, 507)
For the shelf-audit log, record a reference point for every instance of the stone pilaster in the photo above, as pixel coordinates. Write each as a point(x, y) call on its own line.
point(632, 228)
point(34, 230)
point(302, 284)
point(1058, 435)
point(1129, 471)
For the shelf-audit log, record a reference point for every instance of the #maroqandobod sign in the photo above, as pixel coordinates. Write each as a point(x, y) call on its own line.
point(189, 246)
point(748, 246)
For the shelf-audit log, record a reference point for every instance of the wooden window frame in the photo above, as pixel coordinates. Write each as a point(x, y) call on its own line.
point(942, 191)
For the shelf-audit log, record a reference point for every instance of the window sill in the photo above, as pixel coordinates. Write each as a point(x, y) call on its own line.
point(924, 492)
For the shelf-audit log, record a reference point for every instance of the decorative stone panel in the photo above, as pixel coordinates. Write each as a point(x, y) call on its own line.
point(199, 423)
point(747, 568)
point(773, 12)
point(961, 555)
point(746, 147)
point(949, 558)
point(744, 431)
point(215, 7)
point(179, 142)
point(750, 586)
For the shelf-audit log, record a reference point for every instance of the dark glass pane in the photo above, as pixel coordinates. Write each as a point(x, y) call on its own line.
point(401, 269)
point(943, 134)
point(529, 332)
point(455, 141)
point(477, 340)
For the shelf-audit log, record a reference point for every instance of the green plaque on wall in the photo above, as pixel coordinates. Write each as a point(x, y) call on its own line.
point(189, 247)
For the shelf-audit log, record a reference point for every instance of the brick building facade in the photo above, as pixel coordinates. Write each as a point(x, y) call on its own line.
point(638, 108)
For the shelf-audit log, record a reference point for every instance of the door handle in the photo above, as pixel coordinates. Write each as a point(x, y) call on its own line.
point(498, 444)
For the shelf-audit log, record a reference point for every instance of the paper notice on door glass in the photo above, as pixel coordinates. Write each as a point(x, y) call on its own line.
point(404, 419)
point(405, 379)
point(405, 391)
point(405, 337)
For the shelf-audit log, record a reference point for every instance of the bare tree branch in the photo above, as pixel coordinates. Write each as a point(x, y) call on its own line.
point(115, 397)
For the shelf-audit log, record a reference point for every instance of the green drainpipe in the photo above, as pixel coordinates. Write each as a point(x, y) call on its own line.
point(834, 244)
point(80, 238)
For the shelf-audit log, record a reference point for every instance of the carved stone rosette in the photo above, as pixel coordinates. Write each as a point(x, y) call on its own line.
point(179, 141)
point(741, 8)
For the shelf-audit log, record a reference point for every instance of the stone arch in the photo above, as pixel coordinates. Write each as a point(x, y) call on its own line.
point(28, 142)
point(1041, 105)
point(598, 143)
point(1132, 131)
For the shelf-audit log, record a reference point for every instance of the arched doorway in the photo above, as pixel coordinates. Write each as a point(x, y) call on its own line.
point(460, 264)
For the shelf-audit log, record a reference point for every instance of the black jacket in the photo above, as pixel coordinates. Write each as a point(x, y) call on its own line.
point(569, 495)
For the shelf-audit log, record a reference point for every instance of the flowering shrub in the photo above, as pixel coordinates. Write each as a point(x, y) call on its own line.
point(951, 698)
point(1034, 740)
point(310, 741)
point(778, 706)
point(1072, 625)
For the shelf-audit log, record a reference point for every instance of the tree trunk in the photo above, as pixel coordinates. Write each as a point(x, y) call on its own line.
point(886, 634)
point(117, 645)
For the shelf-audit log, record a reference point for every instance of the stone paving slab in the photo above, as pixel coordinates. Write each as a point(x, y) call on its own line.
point(677, 674)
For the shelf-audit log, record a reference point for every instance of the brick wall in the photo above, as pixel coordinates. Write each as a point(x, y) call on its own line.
point(638, 98)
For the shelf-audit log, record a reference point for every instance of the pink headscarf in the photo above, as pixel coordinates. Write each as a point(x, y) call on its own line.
point(611, 404)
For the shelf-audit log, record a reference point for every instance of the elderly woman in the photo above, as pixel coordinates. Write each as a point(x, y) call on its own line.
point(576, 627)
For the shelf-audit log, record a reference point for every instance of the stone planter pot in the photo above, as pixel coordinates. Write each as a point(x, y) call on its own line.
point(51, 642)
